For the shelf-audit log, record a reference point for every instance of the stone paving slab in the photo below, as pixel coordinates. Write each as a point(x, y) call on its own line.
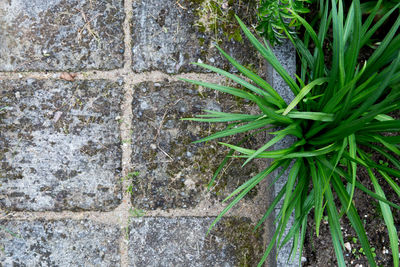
point(168, 35)
point(58, 243)
point(173, 172)
point(61, 34)
point(59, 145)
point(175, 242)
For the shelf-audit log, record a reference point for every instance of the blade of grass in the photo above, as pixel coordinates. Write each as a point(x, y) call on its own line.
point(240, 129)
point(388, 218)
point(334, 227)
point(270, 57)
point(354, 219)
point(254, 77)
point(221, 88)
point(303, 92)
point(318, 195)
point(353, 166)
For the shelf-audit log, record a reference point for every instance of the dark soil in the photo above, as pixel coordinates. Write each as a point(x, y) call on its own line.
point(319, 251)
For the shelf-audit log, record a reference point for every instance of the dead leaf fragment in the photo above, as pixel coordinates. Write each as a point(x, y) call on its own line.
point(68, 76)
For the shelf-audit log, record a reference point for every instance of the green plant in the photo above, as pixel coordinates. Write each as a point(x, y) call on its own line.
point(368, 7)
point(129, 177)
point(218, 16)
point(276, 15)
point(339, 114)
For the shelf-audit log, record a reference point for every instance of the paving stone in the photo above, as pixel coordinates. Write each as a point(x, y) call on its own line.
point(61, 34)
point(58, 243)
point(59, 145)
point(169, 34)
point(174, 172)
point(183, 242)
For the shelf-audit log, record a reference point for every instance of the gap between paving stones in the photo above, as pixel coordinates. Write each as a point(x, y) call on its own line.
point(120, 216)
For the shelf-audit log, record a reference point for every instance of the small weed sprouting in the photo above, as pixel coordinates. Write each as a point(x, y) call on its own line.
point(136, 213)
point(130, 176)
point(133, 213)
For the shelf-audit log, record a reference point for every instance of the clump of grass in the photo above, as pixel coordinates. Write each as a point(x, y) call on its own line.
point(339, 113)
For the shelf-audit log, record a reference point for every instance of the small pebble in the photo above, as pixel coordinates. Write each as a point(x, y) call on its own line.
point(153, 146)
point(144, 105)
point(30, 81)
point(347, 245)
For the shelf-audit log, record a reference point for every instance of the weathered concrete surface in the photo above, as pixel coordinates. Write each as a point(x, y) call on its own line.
point(58, 243)
point(61, 34)
point(59, 145)
point(287, 57)
point(168, 35)
point(174, 173)
point(183, 242)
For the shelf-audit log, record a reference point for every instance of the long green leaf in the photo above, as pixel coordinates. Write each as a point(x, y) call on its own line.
point(303, 92)
point(334, 227)
point(354, 219)
point(239, 81)
point(255, 78)
point(221, 88)
point(340, 172)
point(270, 57)
point(240, 129)
point(388, 218)
point(353, 166)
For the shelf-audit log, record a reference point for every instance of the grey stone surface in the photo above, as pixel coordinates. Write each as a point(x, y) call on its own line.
point(286, 55)
point(182, 242)
point(59, 145)
point(169, 34)
point(58, 243)
point(61, 34)
point(174, 172)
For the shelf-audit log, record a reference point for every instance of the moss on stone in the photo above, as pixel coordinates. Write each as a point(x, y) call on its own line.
point(218, 17)
point(239, 232)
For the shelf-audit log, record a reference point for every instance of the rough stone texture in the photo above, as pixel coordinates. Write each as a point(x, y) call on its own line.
point(61, 34)
point(173, 171)
point(58, 243)
point(59, 145)
point(287, 57)
point(183, 242)
point(168, 35)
